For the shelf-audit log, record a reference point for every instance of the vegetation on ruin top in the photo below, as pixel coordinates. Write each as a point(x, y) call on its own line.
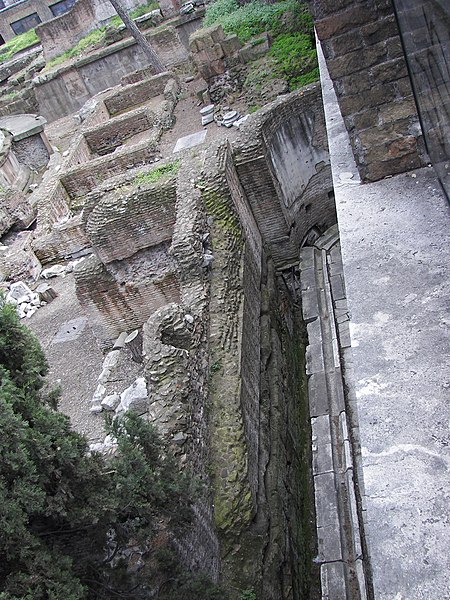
point(256, 17)
point(98, 37)
point(292, 56)
point(158, 173)
point(18, 43)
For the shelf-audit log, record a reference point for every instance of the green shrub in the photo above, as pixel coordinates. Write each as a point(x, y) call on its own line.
point(20, 42)
point(65, 513)
point(248, 595)
point(295, 59)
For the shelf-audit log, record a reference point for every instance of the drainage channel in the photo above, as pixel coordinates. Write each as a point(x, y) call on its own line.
point(338, 514)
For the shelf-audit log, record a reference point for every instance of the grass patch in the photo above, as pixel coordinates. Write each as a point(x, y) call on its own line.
point(255, 17)
point(295, 59)
point(93, 38)
point(20, 42)
point(156, 174)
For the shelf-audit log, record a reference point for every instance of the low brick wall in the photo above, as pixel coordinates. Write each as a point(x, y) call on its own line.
point(121, 225)
point(67, 89)
point(137, 93)
point(365, 59)
point(106, 137)
point(114, 306)
point(78, 181)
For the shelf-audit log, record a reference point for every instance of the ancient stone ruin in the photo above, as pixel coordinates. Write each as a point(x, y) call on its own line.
point(182, 262)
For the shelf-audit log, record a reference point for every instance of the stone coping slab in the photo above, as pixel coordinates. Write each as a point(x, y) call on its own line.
point(395, 240)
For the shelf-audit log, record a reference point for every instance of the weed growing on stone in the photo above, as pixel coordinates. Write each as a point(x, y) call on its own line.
point(20, 42)
point(295, 59)
point(93, 38)
point(256, 17)
point(156, 174)
point(248, 595)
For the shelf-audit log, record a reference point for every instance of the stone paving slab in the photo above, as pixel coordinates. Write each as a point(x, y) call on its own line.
point(191, 140)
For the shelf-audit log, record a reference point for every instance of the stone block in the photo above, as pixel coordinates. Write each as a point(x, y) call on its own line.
point(214, 52)
point(308, 279)
point(356, 61)
point(322, 453)
point(329, 541)
point(307, 257)
point(332, 579)
point(318, 395)
point(134, 397)
point(314, 359)
point(310, 305)
point(231, 45)
point(379, 30)
point(341, 22)
point(343, 44)
point(46, 293)
point(337, 287)
point(365, 119)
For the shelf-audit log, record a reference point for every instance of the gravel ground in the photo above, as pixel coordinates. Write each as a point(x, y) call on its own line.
point(74, 364)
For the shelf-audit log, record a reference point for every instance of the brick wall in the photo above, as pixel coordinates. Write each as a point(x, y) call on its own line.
point(365, 59)
point(122, 224)
point(115, 306)
point(66, 90)
point(137, 93)
point(19, 11)
point(62, 33)
point(78, 181)
point(106, 137)
point(289, 191)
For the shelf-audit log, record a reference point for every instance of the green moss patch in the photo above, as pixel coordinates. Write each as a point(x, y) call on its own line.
point(156, 174)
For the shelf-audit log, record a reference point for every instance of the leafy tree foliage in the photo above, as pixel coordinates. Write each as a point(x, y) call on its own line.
point(68, 518)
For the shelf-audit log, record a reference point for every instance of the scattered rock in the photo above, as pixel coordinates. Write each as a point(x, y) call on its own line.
point(120, 342)
point(134, 397)
point(207, 259)
point(54, 271)
point(46, 293)
point(111, 402)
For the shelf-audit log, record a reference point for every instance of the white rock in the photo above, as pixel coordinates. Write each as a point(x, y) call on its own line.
point(96, 408)
point(189, 318)
point(207, 259)
point(134, 397)
point(20, 292)
point(111, 359)
point(53, 271)
point(99, 394)
point(111, 402)
point(96, 447)
point(30, 311)
point(104, 376)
